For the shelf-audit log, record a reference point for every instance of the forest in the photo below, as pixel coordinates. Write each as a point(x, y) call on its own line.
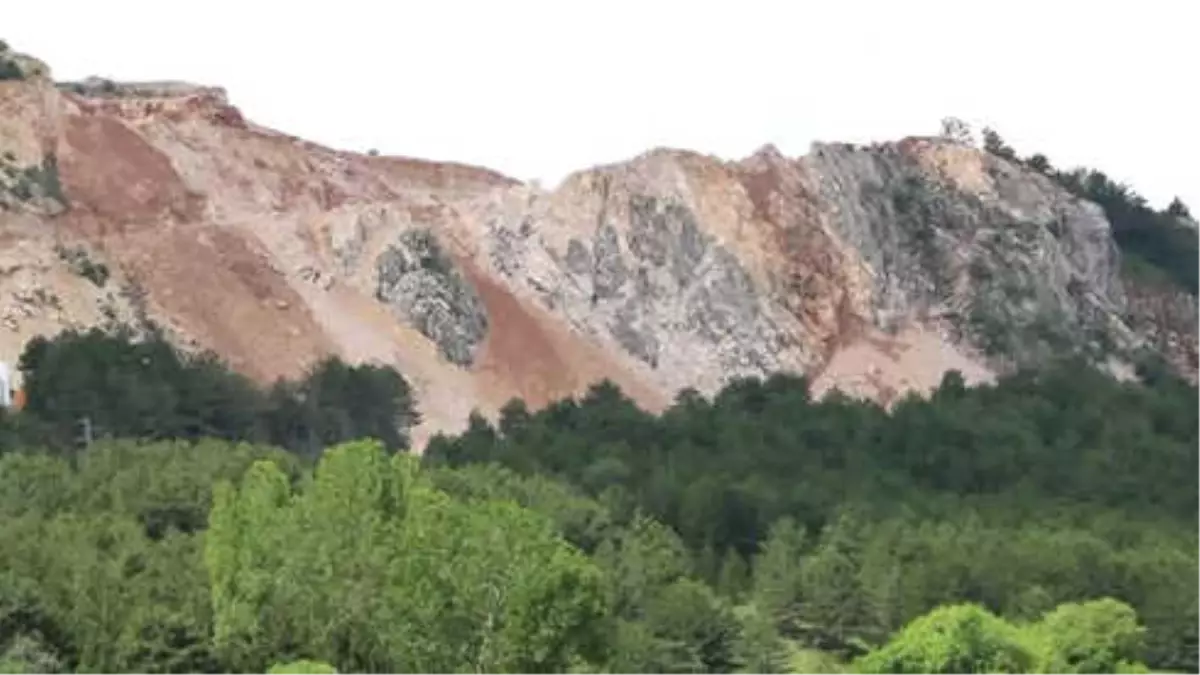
point(1043, 523)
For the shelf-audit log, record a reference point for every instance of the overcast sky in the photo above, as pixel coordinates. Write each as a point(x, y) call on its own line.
point(539, 89)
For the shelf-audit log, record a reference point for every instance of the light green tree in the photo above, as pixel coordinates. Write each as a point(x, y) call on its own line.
point(369, 568)
point(1099, 636)
point(303, 667)
point(953, 639)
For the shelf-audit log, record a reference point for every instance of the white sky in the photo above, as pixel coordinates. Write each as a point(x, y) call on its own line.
point(539, 89)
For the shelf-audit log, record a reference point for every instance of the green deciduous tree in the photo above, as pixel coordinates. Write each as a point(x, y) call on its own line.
point(953, 639)
point(370, 568)
point(102, 556)
point(1099, 636)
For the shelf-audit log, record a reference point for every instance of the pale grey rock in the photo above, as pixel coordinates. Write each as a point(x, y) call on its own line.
point(419, 282)
point(1013, 270)
point(1001, 267)
point(655, 286)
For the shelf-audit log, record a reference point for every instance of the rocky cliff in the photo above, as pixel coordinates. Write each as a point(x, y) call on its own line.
point(873, 269)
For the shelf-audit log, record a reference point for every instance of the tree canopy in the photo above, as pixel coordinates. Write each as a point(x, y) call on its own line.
point(148, 389)
point(1046, 522)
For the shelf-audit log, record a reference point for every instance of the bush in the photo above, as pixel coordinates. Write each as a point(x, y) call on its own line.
point(9, 70)
point(80, 263)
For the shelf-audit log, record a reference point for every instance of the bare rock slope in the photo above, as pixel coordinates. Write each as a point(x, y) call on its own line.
point(873, 269)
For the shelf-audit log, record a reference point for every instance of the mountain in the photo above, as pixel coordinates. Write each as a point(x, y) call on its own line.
point(874, 269)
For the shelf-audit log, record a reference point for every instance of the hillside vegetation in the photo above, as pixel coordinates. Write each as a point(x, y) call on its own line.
point(1157, 245)
point(1044, 523)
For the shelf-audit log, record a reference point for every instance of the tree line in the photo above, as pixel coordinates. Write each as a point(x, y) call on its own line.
point(1043, 523)
point(1054, 486)
point(147, 389)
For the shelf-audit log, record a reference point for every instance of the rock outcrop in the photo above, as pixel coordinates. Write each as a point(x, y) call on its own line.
point(873, 269)
point(416, 278)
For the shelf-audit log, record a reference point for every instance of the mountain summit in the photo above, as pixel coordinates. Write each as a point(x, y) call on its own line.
point(874, 269)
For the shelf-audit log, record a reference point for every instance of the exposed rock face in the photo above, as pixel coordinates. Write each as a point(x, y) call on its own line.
point(704, 271)
point(1010, 261)
point(417, 279)
point(638, 273)
point(873, 269)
